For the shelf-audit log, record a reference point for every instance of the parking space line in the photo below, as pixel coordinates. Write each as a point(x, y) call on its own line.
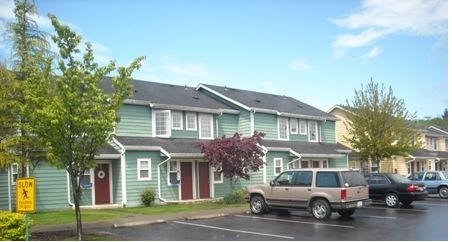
point(298, 222)
point(397, 209)
point(431, 204)
point(234, 230)
point(370, 216)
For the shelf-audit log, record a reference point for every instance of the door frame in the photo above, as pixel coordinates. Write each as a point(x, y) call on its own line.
point(193, 178)
point(110, 182)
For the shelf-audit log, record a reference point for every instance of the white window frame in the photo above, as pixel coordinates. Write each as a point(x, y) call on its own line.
point(139, 169)
point(210, 116)
point(14, 172)
point(316, 131)
point(293, 123)
point(187, 126)
point(286, 121)
point(180, 119)
point(303, 130)
point(177, 171)
point(168, 123)
point(275, 166)
point(213, 177)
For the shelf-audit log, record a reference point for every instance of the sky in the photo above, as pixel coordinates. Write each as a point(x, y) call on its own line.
point(317, 51)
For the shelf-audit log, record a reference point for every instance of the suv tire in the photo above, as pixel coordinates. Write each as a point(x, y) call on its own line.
point(258, 205)
point(442, 192)
point(346, 212)
point(320, 209)
point(392, 200)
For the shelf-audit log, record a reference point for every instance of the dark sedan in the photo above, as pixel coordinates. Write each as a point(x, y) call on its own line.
point(395, 189)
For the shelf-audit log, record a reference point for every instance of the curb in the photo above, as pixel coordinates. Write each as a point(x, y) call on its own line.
point(139, 223)
point(205, 216)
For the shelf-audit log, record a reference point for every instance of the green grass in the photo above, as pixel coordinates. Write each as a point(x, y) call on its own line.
point(88, 215)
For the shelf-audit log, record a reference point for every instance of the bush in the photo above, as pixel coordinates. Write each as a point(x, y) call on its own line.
point(236, 197)
point(147, 197)
point(12, 226)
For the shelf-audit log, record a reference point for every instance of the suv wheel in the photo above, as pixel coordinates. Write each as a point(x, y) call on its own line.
point(346, 212)
point(442, 192)
point(392, 200)
point(257, 205)
point(320, 209)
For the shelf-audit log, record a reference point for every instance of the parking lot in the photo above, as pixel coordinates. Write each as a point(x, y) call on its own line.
point(424, 220)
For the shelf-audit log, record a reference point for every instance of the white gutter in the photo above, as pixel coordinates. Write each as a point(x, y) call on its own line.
point(9, 189)
point(193, 109)
point(123, 172)
point(158, 174)
point(252, 122)
point(323, 155)
point(218, 117)
point(69, 191)
point(296, 159)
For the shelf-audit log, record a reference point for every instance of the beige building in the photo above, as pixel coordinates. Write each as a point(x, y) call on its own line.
point(433, 155)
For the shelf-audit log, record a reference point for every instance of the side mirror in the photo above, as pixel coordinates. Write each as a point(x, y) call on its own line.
point(272, 183)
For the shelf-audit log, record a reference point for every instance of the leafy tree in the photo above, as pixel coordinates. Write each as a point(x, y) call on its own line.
point(76, 117)
point(235, 156)
point(379, 124)
point(29, 60)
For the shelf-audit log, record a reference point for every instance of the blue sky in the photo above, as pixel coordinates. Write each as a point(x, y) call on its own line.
point(316, 51)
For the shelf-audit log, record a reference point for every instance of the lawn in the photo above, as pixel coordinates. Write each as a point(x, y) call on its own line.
point(68, 216)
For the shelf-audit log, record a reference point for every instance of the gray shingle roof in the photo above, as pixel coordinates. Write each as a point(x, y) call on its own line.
point(268, 101)
point(170, 145)
point(308, 147)
point(108, 150)
point(423, 153)
point(161, 93)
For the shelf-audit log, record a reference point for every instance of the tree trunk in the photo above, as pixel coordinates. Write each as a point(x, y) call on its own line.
point(76, 193)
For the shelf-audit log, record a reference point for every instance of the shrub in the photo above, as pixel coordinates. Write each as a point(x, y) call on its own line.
point(236, 197)
point(147, 197)
point(12, 226)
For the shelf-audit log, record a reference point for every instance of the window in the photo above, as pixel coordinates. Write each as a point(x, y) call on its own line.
point(285, 179)
point(277, 164)
point(144, 169)
point(312, 128)
point(283, 130)
point(302, 123)
point(14, 173)
point(173, 173)
point(432, 143)
point(294, 126)
point(205, 126)
point(176, 117)
point(217, 177)
point(303, 179)
point(162, 123)
point(190, 120)
point(85, 180)
point(327, 179)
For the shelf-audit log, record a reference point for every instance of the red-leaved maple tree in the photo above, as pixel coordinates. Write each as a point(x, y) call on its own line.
point(235, 156)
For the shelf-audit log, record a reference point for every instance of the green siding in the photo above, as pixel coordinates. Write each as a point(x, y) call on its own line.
point(4, 197)
point(244, 123)
point(185, 134)
point(227, 125)
point(328, 131)
point(168, 192)
point(116, 179)
point(270, 169)
point(134, 186)
point(135, 121)
point(298, 137)
point(266, 123)
point(51, 187)
point(338, 162)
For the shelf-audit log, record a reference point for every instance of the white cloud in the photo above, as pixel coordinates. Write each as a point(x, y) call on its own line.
point(193, 70)
point(300, 65)
point(378, 18)
point(373, 53)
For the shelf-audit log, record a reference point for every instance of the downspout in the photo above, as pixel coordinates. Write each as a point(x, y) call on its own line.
point(296, 159)
point(265, 162)
point(218, 117)
point(158, 174)
point(252, 112)
point(123, 173)
point(69, 190)
point(9, 190)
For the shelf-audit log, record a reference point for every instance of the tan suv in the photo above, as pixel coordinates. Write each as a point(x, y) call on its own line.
point(320, 190)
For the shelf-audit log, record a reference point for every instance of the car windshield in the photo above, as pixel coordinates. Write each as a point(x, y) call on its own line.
point(354, 178)
point(445, 174)
point(398, 178)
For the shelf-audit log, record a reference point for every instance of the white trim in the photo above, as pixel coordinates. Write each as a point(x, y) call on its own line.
point(316, 131)
point(296, 125)
point(139, 178)
point(252, 127)
point(168, 171)
point(181, 120)
point(213, 177)
point(123, 170)
point(195, 121)
point(305, 130)
point(194, 109)
point(210, 116)
point(280, 166)
point(438, 129)
point(279, 127)
point(159, 190)
point(224, 97)
point(13, 182)
point(9, 190)
point(168, 123)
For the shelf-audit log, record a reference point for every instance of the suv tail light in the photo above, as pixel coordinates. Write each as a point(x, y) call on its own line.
point(343, 194)
point(412, 188)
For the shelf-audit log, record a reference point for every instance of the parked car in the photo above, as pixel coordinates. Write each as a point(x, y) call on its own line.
point(435, 181)
point(319, 190)
point(395, 189)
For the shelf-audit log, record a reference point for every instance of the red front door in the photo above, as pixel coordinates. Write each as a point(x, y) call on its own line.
point(204, 184)
point(186, 180)
point(102, 183)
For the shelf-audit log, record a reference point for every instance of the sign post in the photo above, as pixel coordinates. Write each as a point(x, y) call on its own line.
point(25, 198)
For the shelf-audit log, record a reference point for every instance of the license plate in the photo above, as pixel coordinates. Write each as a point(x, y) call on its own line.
point(360, 204)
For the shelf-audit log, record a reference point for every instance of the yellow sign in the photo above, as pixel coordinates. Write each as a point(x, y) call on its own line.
point(25, 195)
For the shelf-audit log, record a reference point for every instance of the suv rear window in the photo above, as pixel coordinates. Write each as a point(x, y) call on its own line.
point(353, 178)
point(327, 179)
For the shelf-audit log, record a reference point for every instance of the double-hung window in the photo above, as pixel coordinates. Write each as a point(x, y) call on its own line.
point(162, 123)
point(176, 117)
point(217, 177)
point(14, 173)
point(173, 173)
point(144, 169)
point(313, 131)
point(283, 128)
point(302, 123)
point(205, 126)
point(190, 120)
point(294, 126)
point(278, 165)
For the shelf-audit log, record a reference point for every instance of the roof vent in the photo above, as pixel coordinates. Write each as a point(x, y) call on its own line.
point(186, 88)
point(257, 100)
point(195, 97)
point(225, 88)
point(300, 106)
point(171, 85)
point(135, 91)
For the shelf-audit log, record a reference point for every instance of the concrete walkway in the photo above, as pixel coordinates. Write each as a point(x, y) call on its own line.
point(141, 219)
